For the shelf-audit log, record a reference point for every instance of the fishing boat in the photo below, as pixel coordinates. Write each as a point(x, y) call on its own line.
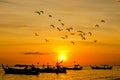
point(21, 69)
point(101, 67)
point(76, 67)
point(57, 69)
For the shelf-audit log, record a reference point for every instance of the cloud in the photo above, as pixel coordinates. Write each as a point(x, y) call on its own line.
point(5, 1)
point(36, 53)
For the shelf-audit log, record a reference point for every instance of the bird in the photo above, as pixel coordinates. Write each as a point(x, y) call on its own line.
point(46, 40)
point(90, 33)
point(68, 29)
point(63, 37)
point(80, 31)
point(83, 38)
point(37, 12)
point(95, 41)
point(71, 28)
point(81, 35)
point(59, 29)
point(50, 15)
point(103, 21)
point(96, 25)
point(72, 33)
point(52, 26)
point(59, 20)
point(73, 42)
point(66, 36)
point(62, 24)
point(118, 1)
point(42, 12)
point(36, 34)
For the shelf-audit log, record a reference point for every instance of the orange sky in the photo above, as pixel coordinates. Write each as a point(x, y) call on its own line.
point(23, 32)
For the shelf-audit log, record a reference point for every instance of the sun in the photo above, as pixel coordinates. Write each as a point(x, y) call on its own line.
point(62, 55)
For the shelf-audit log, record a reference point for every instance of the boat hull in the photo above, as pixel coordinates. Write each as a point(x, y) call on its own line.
point(9, 70)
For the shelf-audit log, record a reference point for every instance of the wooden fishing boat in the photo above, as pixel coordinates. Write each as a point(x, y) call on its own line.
point(28, 70)
point(48, 69)
point(101, 67)
point(76, 67)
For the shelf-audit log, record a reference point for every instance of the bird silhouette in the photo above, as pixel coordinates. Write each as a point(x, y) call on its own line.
point(69, 29)
point(50, 15)
point(72, 33)
point(66, 36)
point(63, 37)
point(81, 35)
point(103, 21)
point(36, 34)
point(62, 24)
point(118, 0)
point(37, 12)
point(59, 20)
point(95, 41)
point(52, 26)
point(83, 38)
point(97, 25)
point(42, 12)
point(90, 33)
point(46, 40)
point(80, 31)
point(59, 29)
point(73, 42)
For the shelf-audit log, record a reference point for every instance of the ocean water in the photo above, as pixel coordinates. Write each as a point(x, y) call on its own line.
point(86, 74)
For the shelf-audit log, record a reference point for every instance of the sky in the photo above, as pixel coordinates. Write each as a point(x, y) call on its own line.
point(27, 37)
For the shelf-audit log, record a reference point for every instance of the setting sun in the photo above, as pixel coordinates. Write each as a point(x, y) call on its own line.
point(62, 55)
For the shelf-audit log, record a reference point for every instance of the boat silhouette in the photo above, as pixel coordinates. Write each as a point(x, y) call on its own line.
point(21, 69)
point(101, 67)
point(76, 67)
point(49, 69)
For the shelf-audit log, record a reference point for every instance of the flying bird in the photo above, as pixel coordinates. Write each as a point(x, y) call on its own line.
point(83, 33)
point(59, 29)
point(52, 26)
point(103, 21)
point(72, 33)
point(46, 40)
point(50, 15)
point(36, 34)
point(63, 37)
point(96, 25)
point(59, 20)
point(83, 38)
point(69, 29)
point(66, 36)
point(37, 12)
point(73, 42)
point(62, 24)
point(95, 41)
point(90, 33)
point(80, 31)
point(118, 1)
point(42, 12)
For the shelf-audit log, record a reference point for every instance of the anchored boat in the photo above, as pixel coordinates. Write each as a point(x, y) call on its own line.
point(21, 69)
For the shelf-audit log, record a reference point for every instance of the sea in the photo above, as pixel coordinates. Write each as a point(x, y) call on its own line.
point(86, 74)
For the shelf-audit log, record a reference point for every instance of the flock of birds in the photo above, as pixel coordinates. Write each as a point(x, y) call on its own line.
point(82, 34)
